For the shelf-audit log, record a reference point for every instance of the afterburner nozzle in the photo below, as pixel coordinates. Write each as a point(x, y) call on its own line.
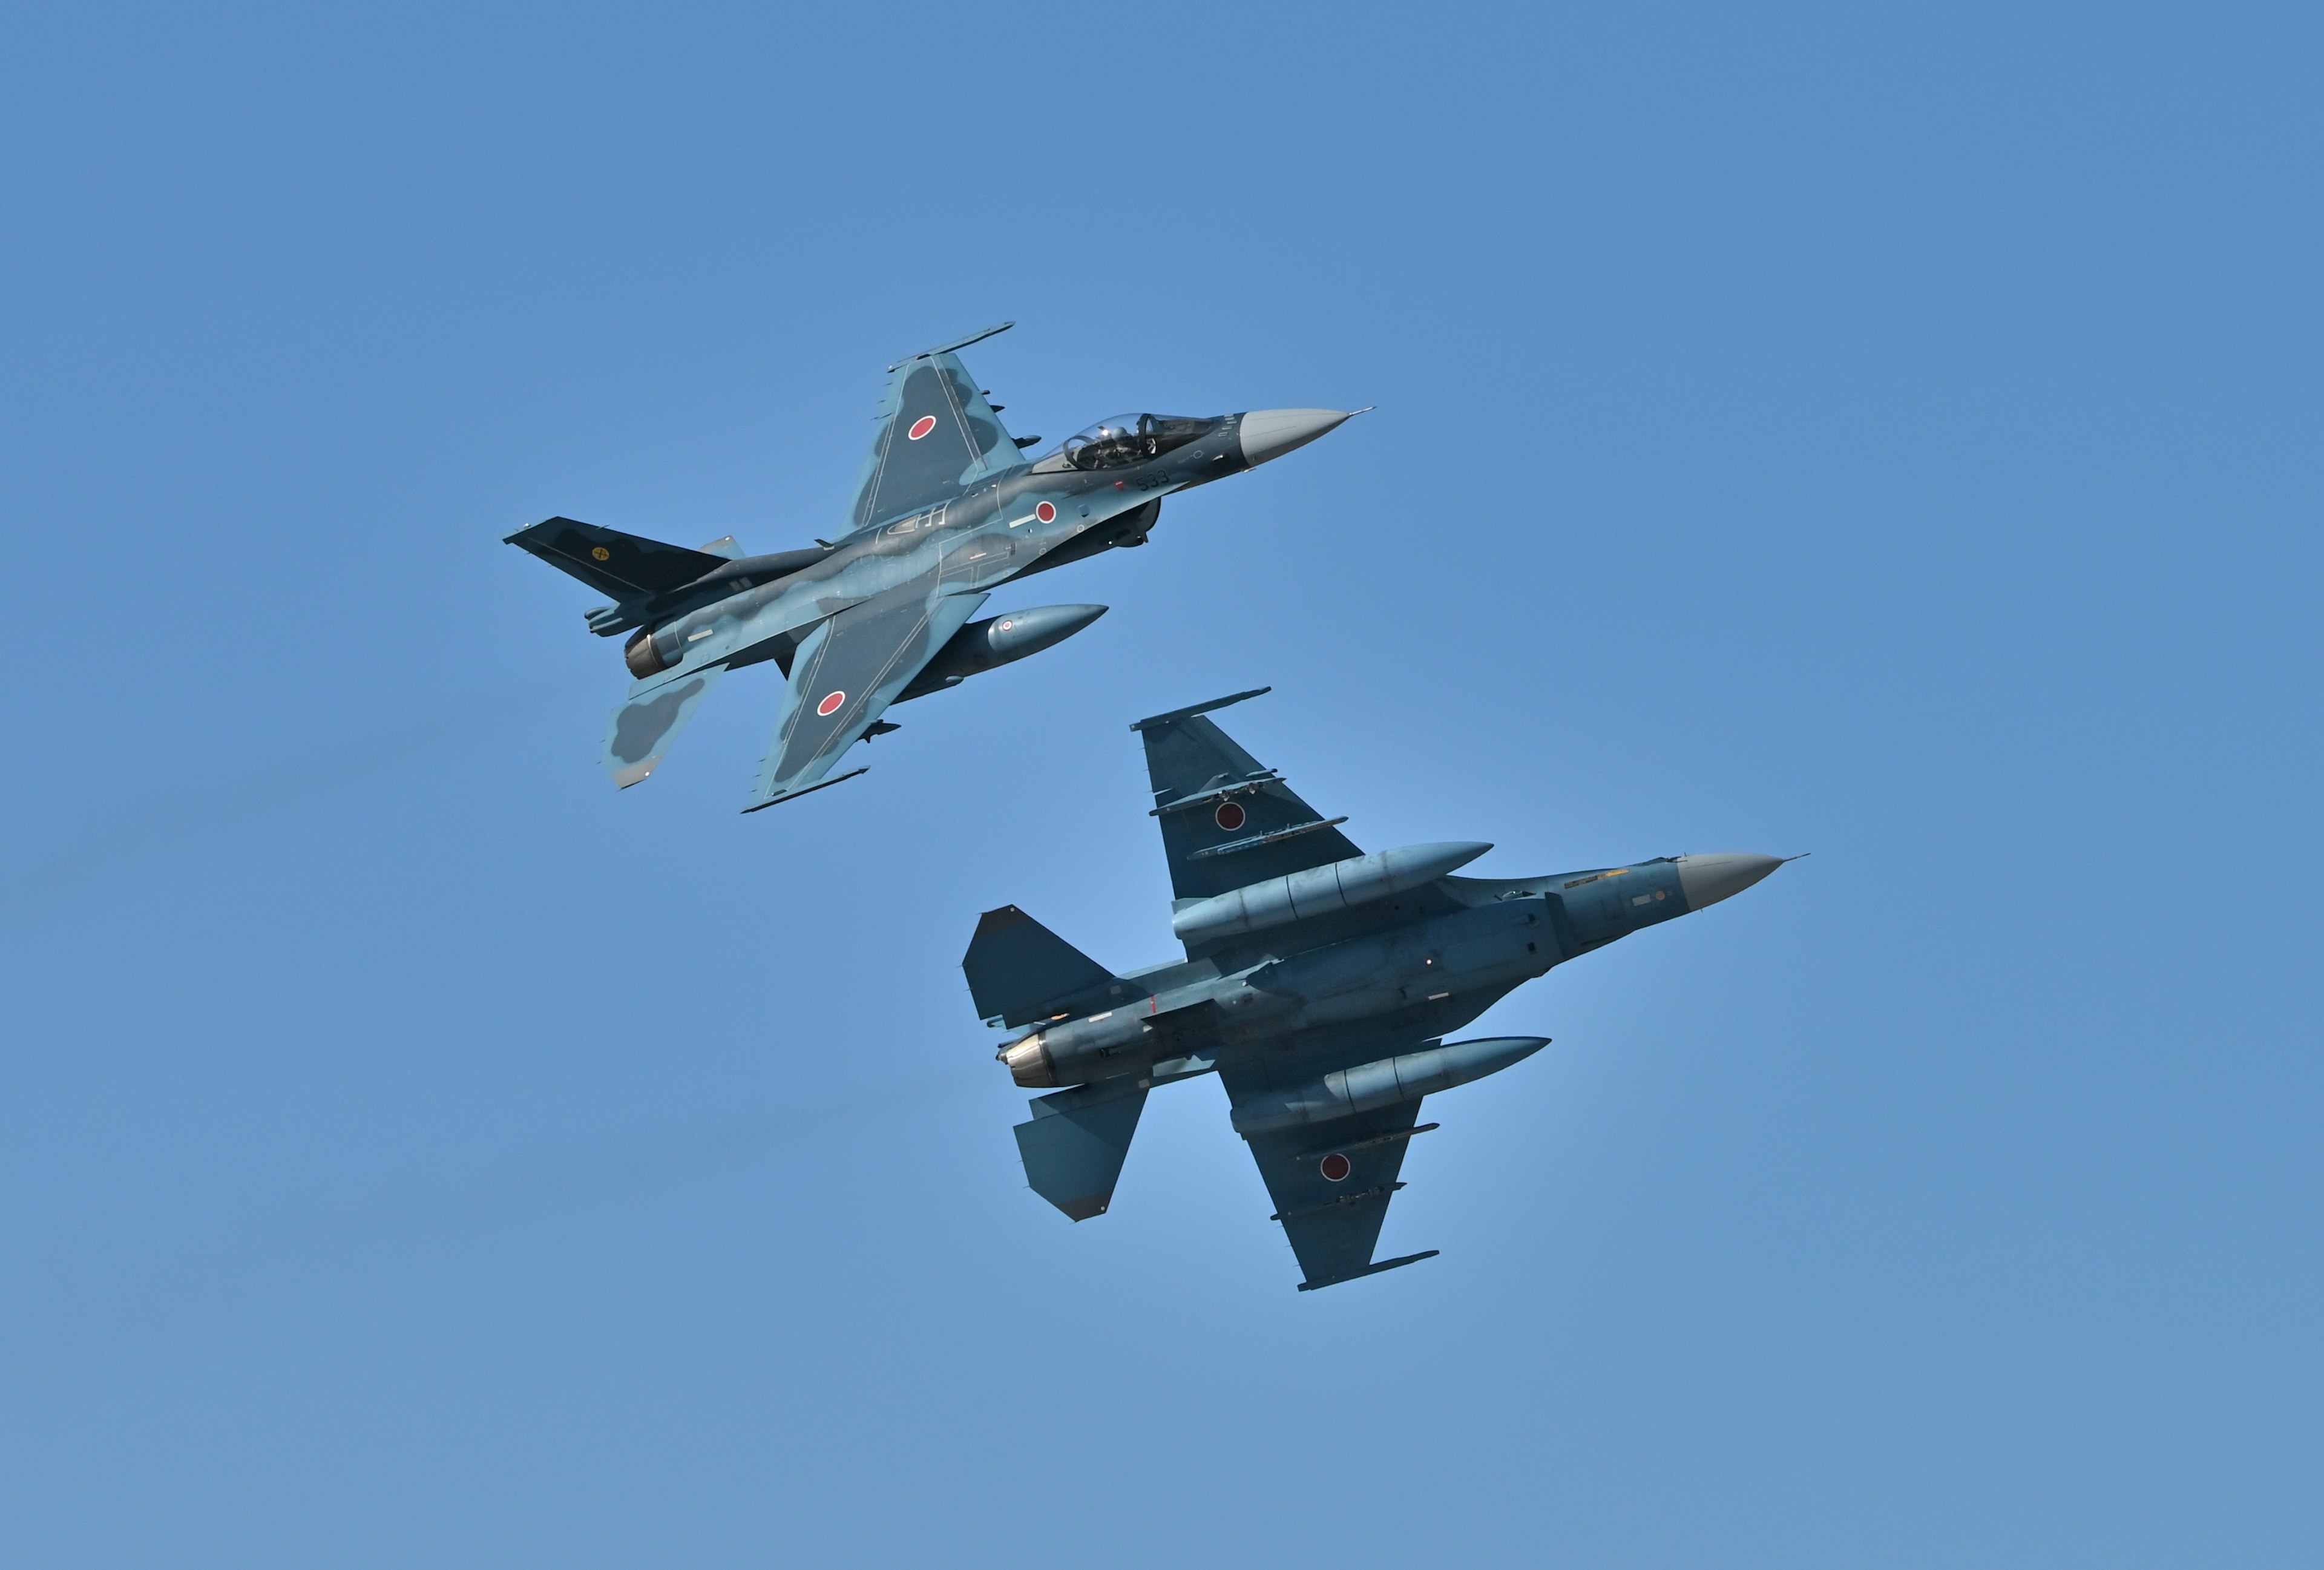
point(645, 655)
point(1029, 1063)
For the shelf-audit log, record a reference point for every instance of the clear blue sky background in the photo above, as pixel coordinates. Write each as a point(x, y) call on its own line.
point(1887, 432)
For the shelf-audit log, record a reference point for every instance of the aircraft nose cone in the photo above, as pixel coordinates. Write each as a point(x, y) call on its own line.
point(1270, 433)
point(1706, 880)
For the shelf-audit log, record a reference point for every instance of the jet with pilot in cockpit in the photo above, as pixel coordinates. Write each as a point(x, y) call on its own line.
point(949, 508)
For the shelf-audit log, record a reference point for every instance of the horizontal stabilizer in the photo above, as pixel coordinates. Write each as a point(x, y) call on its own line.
point(642, 729)
point(1074, 1146)
point(1019, 971)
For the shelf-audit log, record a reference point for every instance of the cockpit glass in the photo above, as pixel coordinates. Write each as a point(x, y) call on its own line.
point(1132, 438)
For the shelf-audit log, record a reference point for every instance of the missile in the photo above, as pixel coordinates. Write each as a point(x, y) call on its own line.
point(1384, 1083)
point(1321, 889)
point(997, 640)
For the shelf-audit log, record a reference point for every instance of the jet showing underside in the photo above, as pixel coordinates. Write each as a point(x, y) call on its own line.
point(1319, 984)
point(949, 508)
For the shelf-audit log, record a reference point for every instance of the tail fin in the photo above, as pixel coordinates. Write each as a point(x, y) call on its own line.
point(620, 567)
point(1019, 971)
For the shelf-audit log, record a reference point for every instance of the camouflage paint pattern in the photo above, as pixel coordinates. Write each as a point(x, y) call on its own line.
point(947, 509)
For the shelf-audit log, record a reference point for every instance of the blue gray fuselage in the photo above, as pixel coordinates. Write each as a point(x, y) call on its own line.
point(1320, 984)
point(1401, 962)
point(1026, 520)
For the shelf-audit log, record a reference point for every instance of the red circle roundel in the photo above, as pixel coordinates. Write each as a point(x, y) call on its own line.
point(920, 428)
point(830, 705)
point(1228, 816)
point(1335, 1168)
point(1046, 514)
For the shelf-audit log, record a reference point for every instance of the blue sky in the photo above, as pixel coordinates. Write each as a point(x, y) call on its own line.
point(1889, 433)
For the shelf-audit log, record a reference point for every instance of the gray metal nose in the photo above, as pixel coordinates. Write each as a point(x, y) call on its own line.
point(1270, 433)
point(1706, 880)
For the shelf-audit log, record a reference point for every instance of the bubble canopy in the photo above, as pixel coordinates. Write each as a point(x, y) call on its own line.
point(1121, 440)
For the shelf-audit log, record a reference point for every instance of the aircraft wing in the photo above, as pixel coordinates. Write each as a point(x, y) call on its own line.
point(1332, 1183)
point(1227, 820)
point(849, 669)
point(937, 437)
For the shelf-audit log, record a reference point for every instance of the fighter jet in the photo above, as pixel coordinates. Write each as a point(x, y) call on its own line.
point(948, 509)
point(1319, 984)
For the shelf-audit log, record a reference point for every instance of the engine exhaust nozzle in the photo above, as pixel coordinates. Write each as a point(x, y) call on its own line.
point(643, 654)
